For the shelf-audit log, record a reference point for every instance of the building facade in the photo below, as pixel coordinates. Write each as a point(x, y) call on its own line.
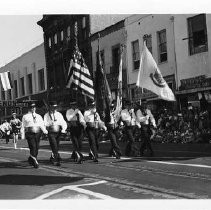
point(111, 41)
point(158, 32)
point(193, 55)
point(29, 81)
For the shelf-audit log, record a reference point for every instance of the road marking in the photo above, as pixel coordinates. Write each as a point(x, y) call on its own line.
point(79, 190)
point(181, 164)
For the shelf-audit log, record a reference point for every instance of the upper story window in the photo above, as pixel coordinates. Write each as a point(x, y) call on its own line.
point(15, 89)
point(29, 81)
point(22, 86)
point(115, 59)
point(197, 31)
point(162, 46)
point(84, 22)
point(135, 54)
point(41, 80)
point(49, 42)
point(102, 58)
point(148, 40)
point(55, 39)
point(62, 35)
point(68, 31)
point(9, 94)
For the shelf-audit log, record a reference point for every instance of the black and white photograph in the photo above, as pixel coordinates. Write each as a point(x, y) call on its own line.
point(105, 106)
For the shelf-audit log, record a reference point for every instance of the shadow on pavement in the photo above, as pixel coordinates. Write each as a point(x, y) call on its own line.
point(38, 180)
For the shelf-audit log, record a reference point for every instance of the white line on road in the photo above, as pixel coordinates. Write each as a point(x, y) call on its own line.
point(77, 189)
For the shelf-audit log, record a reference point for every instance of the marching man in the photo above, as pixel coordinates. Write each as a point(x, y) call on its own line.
point(56, 126)
point(34, 126)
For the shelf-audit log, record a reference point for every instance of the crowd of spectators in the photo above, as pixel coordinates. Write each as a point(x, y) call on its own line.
point(191, 125)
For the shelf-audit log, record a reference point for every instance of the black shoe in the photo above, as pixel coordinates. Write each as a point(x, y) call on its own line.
point(58, 163)
point(30, 161)
point(36, 165)
point(95, 160)
point(52, 160)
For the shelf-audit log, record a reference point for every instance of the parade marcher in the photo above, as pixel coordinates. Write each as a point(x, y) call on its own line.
point(7, 130)
point(16, 126)
point(112, 127)
point(146, 119)
point(56, 126)
point(131, 149)
point(77, 125)
point(93, 123)
point(33, 125)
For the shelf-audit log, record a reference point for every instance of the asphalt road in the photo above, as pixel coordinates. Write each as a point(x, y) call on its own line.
point(176, 172)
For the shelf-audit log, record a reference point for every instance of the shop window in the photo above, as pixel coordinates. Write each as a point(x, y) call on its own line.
point(162, 46)
point(135, 54)
point(9, 94)
point(197, 31)
point(22, 86)
point(3, 95)
point(133, 93)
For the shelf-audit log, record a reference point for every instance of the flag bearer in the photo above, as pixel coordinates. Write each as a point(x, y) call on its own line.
point(33, 126)
point(112, 127)
point(16, 126)
point(77, 125)
point(146, 119)
point(56, 126)
point(93, 123)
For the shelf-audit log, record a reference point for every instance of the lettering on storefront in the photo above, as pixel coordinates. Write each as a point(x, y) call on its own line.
point(13, 104)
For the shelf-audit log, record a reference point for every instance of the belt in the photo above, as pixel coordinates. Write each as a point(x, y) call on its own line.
point(73, 123)
point(92, 125)
point(54, 128)
point(34, 129)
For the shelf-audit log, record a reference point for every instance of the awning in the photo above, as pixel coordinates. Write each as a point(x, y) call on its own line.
point(195, 90)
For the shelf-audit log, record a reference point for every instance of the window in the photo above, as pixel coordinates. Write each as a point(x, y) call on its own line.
point(29, 81)
point(162, 46)
point(135, 54)
point(102, 58)
point(68, 31)
point(62, 35)
point(15, 89)
point(22, 86)
point(133, 93)
point(55, 38)
point(84, 22)
point(9, 94)
point(2, 95)
point(49, 42)
point(148, 40)
point(41, 80)
point(197, 34)
point(115, 59)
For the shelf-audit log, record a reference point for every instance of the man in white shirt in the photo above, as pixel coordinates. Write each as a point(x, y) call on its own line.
point(33, 126)
point(77, 125)
point(56, 126)
point(93, 122)
point(126, 118)
point(146, 119)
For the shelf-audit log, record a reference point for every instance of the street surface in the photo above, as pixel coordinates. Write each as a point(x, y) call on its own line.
point(176, 172)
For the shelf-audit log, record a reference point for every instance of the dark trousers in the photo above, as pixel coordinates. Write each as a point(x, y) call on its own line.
point(93, 140)
point(145, 138)
point(33, 140)
point(7, 137)
point(54, 140)
point(77, 135)
point(113, 133)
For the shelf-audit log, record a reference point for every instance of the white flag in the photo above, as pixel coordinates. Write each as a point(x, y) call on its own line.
point(6, 80)
point(150, 77)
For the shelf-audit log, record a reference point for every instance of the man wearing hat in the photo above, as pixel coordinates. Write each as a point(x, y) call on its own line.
point(93, 123)
point(33, 125)
point(56, 126)
point(6, 127)
point(77, 125)
point(126, 118)
point(16, 126)
point(146, 119)
point(113, 133)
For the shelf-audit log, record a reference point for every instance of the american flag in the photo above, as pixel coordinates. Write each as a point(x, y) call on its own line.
point(6, 80)
point(79, 75)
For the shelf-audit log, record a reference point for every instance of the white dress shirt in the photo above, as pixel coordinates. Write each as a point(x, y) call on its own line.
point(125, 115)
point(71, 115)
point(55, 118)
point(145, 119)
point(33, 120)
